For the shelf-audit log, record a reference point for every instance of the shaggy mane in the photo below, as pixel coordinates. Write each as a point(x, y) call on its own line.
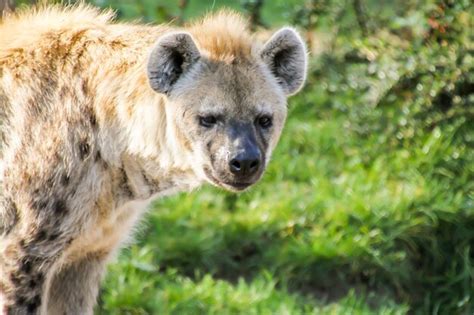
point(224, 36)
point(44, 18)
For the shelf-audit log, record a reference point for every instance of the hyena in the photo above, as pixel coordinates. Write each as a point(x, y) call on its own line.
point(100, 117)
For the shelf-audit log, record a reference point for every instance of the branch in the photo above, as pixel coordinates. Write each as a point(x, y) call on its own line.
point(361, 16)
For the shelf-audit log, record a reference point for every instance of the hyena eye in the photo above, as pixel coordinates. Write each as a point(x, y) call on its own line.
point(207, 121)
point(265, 121)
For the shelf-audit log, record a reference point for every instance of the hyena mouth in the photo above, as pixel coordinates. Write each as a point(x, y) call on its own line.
point(235, 186)
point(238, 186)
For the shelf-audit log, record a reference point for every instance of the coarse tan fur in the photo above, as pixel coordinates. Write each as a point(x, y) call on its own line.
point(99, 117)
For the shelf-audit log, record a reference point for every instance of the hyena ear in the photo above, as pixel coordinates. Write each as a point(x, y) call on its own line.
point(285, 54)
point(172, 55)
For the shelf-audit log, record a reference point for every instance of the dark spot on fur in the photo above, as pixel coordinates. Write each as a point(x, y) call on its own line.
point(65, 179)
point(39, 277)
point(53, 236)
point(35, 280)
point(39, 204)
point(92, 117)
point(15, 279)
point(20, 300)
point(32, 283)
point(209, 145)
point(93, 121)
point(150, 183)
point(84, 87)
point(84, 149)
point(34, 304)
point(49, 182)
point(59, 207)
point(38, 201)
point(124, 185)
point(101, 161)
point(98, 156)
point(26, 265)
point(41, 236)
point(148, 180)
point(63, 92)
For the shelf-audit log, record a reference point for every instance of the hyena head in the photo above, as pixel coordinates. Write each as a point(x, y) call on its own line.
point(229, 111)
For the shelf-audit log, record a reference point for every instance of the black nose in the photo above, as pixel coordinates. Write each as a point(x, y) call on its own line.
point(245, 164)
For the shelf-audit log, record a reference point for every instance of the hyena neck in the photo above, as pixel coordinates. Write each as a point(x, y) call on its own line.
point(147, 179)
point(154, 162)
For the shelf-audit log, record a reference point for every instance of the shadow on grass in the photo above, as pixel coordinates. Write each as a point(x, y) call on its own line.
point(435, 269)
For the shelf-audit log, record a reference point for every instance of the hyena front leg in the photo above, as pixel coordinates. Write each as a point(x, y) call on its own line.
point(28, 252)
point(22, 280)
point(23, 272)
point(74, 288)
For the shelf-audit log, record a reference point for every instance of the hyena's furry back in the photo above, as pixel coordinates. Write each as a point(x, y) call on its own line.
point(99, 117)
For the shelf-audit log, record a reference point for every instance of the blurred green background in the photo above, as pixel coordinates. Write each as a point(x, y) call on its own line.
point(368, 204)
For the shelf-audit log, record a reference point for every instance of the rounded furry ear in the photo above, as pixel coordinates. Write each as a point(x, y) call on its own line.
point(285, 55)
point(172, 55)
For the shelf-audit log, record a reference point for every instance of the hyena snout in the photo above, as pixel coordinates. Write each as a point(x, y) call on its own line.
point(236, 164)
point(246, 163)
